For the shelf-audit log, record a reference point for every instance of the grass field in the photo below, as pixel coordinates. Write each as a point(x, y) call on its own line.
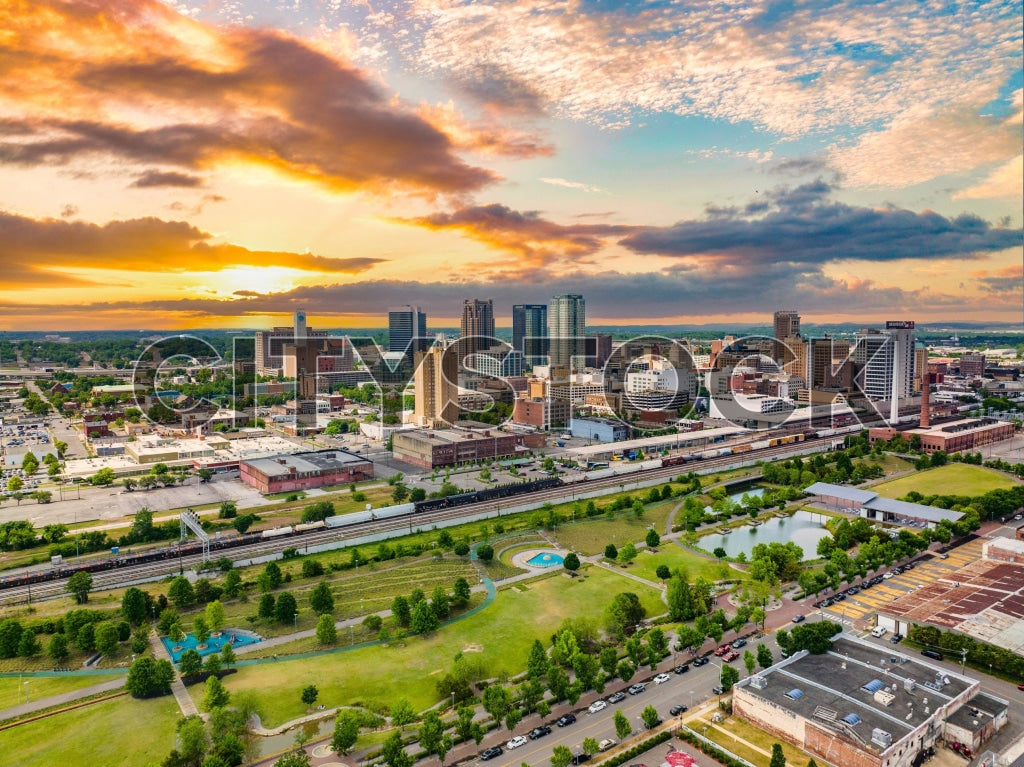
point(723, 732)
point(37, 687)
point(951, 479)
point(591, 536)
point(499, 636)
point(120, 732)
point(693, 565)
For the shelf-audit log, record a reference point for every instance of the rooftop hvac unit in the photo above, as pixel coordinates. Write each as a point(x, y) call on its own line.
point(884, 697)
point(909, 684)
point(881, 737)
point(758, 682)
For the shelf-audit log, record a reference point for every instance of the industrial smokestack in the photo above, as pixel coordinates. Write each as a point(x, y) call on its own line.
point(925, 404)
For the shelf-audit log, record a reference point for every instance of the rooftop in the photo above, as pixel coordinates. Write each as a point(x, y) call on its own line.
point(857, 688)
point(873, 501)
point(689, 438)
point(305, 463)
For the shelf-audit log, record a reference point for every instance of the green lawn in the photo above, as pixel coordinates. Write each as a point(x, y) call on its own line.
point(500, 636)
point(591, 536)
point(951, 479)
point(694, 565)
point(36, 687)
point(123, 731)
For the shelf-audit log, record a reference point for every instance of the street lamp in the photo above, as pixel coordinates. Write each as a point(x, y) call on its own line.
point(296, 621)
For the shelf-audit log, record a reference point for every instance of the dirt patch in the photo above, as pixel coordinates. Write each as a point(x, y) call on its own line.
point(473, 647)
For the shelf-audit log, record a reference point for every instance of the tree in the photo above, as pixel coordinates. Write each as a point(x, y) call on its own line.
point(650, 717)
point(401, 611)
point(191, 663)
point(265, 609)
point(228, 509)
point(622, 726)
point(400, 493)
point(485, 552)
point(274, 577)
point(663, 572)
point(181, 592)
point(628, 553)
point(750, 661)
point(778, 758)
point(79, 585)
point(561, 756)
point(440, 603)
point(85, 639)
point(213, 664)
point(232, 584)
point(402, 713)
point(133, 605)
point(624, 614)
point(297, 758)
point(653, 540)
point(513, 718)
point(326, 631)
point(148, 676)
point(590, 746)
point(106, 638)
point(719, 552)
point(215, 615)
point(216, 695)
point(393, 752)
point(431, 733)
point(346, 731)
point(321, 599)
point(729, 677)
point(423, 620)
point(625, 670)
point(496, 701)
point(58, 649)
point(227, 654)
point(571, 562)
point(309, 694)
point(461, 592)
point(537, 663)
point(14, 484)
point(764, 656)
point(29, 647)
point(286, 608)
point(610, 552)
point(200, 630)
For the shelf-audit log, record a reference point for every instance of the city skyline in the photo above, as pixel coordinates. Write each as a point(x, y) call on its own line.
point(225, 165)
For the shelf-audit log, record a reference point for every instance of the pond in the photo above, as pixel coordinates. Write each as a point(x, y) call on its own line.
point(751, 491)
point(803, 528)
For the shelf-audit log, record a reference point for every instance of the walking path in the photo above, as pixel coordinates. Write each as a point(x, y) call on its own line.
point(58, 700)
point(185, 702)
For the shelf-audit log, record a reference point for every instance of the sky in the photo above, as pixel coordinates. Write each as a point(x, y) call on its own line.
point(204, 164)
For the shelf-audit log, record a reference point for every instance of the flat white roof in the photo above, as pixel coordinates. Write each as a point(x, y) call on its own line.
point(684, 439)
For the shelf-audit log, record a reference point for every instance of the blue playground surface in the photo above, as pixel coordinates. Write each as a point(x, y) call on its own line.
point(233, 637)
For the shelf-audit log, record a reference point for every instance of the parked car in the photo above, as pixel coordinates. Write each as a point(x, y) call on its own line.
point(739, 643)
point(718, 689)
point(661, 678)
point(798, 618)
point(887, 576)
point(896, 638)
point(565, 721)
point(606, 744)
point(722, 650)
point(539, 732)
point(681, 669)
point(597, 705)
point(730, 656)
point(655, 724)
point(677, 709)
point(636, 689)
point(490, 753)
point(700, 661)
point(516, 742)
point(617, 697)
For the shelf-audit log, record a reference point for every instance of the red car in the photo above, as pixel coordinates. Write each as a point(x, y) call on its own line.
point(722, 650)
point(730, 656)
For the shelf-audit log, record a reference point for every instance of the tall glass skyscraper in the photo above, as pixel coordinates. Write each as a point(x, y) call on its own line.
point(404, 323)
point(530, 332)
point(567, 321)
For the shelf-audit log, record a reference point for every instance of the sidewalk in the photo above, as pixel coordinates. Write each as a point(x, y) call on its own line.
point(185, 702)
point(59, 700)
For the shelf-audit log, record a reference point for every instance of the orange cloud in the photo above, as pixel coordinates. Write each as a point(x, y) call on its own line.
point(36, 249)
point(132, 80)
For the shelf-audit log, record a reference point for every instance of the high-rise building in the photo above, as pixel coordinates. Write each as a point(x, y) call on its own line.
point(786, 325)
point(404, 324)
point(972, 365)
point(437, 387)
point(567, 320)
point(269, 344)
point(530, 332)
point(888, 362)
point(477, 326)
point(826, 363)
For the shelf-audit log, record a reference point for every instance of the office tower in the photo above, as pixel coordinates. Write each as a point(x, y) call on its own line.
point(826, 363)
point(972, 365)
point(567, 320)
point(477, 326)
point(269, 344)
point(888, 363)
point(530, 332)
point(437, 387)
point(602, 349)
point(404, 324)
point(299, 322)
point(787, 325)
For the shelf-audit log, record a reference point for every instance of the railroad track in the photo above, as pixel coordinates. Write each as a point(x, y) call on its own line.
point(172, 565)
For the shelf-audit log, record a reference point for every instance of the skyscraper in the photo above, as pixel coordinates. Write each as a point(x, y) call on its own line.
point(437, 388)
point(567, 320)
point(888, 363)
point(530, 332)
point(404, 324)
point(477, 324)
point(787, 325)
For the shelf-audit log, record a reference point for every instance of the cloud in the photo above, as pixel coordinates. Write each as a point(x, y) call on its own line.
point(131, 80)
point(1008, 280)
point(540, 242)
point(1003, 181)
point(156, 178)
point(35, 249)
point(803, 225)
point(572, 184)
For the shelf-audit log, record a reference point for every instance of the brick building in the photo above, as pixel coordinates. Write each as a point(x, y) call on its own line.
point(446, 447)
point(303, 471)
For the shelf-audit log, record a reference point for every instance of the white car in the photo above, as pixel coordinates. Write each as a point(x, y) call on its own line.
point(661, 678)
point(597, 705)
point(516, 742)
point(606, 744)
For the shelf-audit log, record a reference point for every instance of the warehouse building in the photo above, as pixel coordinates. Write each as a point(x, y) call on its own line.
point(304, 471)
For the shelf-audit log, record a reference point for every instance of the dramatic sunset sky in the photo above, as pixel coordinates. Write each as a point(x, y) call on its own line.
point(221, 164)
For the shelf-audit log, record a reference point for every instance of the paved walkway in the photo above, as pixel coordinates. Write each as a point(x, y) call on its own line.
point(185, 702)
point(54, 701)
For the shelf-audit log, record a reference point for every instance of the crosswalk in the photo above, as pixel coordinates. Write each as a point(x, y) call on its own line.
point(865, 604)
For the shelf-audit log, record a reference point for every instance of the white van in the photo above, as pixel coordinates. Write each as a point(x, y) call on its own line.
point(879, 631)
